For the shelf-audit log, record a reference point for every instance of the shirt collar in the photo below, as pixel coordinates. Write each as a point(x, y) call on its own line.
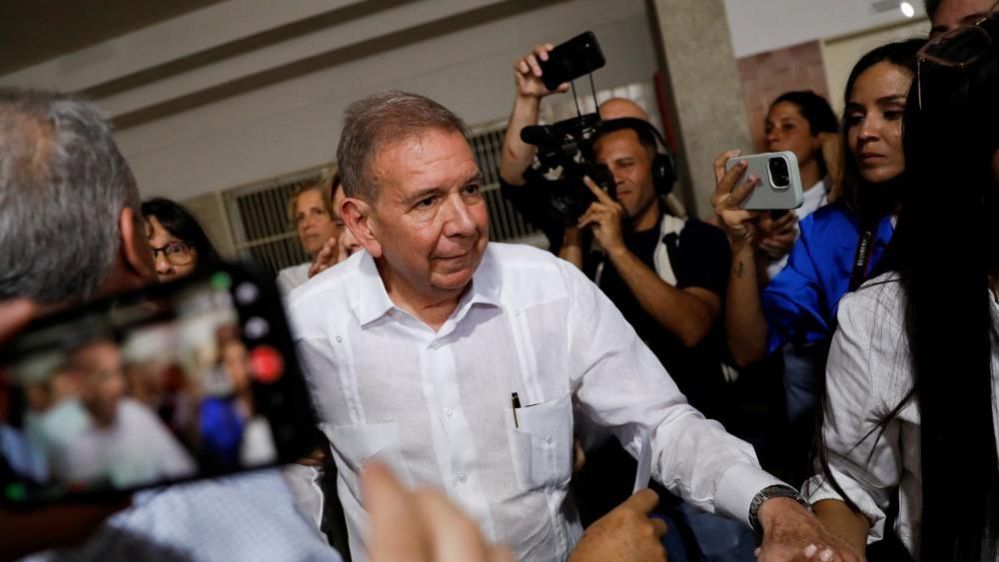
point(372, 301)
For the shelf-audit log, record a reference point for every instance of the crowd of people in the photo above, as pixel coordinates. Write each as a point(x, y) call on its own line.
point(487, 402)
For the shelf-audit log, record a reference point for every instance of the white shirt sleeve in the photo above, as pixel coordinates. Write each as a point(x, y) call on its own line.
point(863, 460)
point(620, 384)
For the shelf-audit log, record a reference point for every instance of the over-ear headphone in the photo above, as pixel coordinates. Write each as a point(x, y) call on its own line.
point(663, 163)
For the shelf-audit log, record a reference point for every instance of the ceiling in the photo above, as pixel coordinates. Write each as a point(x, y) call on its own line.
point(32, 31)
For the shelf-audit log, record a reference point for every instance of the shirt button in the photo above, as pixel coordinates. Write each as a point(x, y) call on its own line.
point(435, 345)
point(549, 440)
point(339, 339)
point(448, 412)
point(462, 478)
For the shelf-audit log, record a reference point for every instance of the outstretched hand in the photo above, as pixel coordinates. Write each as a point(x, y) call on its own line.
point(626, 534)
point(791, 534)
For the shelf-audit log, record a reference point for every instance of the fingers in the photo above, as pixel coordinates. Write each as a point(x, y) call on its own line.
point(598, 192)
point(722, 160)
point(659, 526)
point(741, 192)
point(643, 501)
point(396, 529)
point(455, 538)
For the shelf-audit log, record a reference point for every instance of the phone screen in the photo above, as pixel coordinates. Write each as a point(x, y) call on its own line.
point(176, 382)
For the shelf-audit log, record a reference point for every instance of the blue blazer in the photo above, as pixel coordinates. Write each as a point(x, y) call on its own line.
point(800, 304)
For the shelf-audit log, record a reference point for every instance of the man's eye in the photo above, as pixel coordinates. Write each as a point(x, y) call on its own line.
point(472, 189)
point(426, 202)
point(854, 119)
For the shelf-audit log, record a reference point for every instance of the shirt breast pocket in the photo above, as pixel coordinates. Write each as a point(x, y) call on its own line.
point(356, 445)
point(541, 443)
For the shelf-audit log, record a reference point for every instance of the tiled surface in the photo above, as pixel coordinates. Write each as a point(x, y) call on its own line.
point(768, 75)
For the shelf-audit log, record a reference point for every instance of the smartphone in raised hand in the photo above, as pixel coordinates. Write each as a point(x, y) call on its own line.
point(179, 381)
point(780, 181)
point(572, 59)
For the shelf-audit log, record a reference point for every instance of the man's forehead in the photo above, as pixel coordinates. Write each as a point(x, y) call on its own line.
point(416, 154)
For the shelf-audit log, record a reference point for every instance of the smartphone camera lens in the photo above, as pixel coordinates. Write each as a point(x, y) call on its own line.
point(780, 176)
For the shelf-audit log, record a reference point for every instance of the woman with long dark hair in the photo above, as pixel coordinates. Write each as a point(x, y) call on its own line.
point(913, 374)
point(180, 246)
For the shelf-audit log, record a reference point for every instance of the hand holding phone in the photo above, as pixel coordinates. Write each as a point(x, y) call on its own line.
point(572, 59)
point(779, 186)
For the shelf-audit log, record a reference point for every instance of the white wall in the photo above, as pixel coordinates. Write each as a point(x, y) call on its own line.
point(279, 128)
point(763, 25)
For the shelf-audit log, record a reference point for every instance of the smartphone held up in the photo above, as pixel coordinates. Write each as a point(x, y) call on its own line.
point(178, 381)
point(779, 186)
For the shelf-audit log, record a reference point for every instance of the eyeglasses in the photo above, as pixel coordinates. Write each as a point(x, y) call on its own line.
point(177, 253)
point(974, 37)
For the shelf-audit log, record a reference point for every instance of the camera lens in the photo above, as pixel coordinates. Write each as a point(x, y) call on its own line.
point(779, 174)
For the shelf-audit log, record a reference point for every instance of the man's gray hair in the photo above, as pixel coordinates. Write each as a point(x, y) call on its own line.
point(63, 184)
point(376, 120)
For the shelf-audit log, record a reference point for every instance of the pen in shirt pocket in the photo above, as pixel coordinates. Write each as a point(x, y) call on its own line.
point(515, 401)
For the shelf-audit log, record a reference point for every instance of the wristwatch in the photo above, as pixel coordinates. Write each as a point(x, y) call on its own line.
point(770, 492)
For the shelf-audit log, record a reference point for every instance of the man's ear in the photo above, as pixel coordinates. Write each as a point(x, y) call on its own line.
point(137, 256)
point(357, 216)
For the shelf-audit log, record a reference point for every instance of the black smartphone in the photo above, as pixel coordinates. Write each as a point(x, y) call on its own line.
point(174, 382)
point(572, 59)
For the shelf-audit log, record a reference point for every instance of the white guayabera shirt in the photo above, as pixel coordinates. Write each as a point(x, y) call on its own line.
point(436, 406)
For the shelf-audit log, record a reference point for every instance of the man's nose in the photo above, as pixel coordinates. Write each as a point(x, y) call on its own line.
point(458, 218)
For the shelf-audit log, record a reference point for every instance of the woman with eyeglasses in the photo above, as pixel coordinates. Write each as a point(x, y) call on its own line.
point(911, 417)
point(179, 244)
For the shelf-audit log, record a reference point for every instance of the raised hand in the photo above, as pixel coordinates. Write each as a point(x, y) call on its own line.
point(527, 73)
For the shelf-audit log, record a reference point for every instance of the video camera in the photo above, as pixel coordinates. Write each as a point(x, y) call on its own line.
point(565, 148)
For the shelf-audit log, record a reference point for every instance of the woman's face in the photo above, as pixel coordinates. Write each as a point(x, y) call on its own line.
point(874, 121)
point(314, 224)
point(786, 129)
point(174, 258)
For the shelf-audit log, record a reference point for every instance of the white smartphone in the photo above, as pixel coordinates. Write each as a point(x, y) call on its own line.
point(780, 181)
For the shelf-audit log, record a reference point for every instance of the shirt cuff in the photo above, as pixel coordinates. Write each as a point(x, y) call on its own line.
point(737, 488)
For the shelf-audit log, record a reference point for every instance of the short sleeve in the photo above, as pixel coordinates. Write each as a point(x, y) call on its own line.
point(705, 256)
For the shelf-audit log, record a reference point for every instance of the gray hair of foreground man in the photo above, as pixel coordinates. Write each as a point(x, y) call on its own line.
point(374, 122)
point(63, 184)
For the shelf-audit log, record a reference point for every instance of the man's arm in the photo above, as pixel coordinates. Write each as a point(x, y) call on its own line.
point(686, 313)
point(517, 155)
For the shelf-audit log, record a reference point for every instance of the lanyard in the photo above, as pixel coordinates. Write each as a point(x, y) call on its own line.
point(862, 259)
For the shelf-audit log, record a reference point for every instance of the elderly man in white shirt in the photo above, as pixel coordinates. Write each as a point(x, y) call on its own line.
point(457, 361)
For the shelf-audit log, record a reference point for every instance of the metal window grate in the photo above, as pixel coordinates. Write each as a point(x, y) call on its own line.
point(505, 223)
point(258, 216)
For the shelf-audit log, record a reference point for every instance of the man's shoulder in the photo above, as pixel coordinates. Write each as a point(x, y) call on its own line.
point(328, 291)
point(526, 273)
